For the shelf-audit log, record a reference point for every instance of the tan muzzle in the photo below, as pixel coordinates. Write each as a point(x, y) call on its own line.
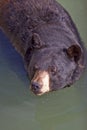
point(40, 82)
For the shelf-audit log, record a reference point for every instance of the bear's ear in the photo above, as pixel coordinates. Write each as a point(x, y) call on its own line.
point(37, 43)
point(74, 51)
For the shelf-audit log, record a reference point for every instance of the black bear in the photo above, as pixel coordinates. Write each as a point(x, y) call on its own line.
point(44, 34)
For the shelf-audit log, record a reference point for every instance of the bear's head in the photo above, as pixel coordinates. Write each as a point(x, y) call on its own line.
point(51, 68)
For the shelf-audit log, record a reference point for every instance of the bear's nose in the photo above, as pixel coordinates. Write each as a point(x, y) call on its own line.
point(35, 86)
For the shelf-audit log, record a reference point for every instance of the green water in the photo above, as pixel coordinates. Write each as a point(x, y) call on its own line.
point(21, 110)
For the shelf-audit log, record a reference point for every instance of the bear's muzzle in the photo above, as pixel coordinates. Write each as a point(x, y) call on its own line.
point(40, 83)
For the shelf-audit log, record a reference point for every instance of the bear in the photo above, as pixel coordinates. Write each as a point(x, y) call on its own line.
point(44, 34)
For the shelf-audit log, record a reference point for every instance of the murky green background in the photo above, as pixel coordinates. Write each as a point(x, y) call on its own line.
point(21, 110)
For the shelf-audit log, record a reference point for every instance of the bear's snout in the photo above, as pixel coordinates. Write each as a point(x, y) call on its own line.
point(35, 87)
point(40, 83)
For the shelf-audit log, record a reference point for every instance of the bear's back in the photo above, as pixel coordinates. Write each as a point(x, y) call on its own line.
point(19, 18)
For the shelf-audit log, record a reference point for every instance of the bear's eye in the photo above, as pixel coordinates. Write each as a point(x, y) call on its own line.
point(36, 67)
point(53, 70)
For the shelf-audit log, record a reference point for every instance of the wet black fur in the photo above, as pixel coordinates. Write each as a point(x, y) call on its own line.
point(43, 29)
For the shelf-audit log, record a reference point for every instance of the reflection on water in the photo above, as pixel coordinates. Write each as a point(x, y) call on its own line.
point(20, 109)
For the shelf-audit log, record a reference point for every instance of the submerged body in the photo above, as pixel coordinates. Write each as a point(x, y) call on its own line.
point(47, 39)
